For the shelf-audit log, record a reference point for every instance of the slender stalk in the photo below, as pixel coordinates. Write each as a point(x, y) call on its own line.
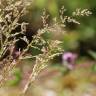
point(31, 79)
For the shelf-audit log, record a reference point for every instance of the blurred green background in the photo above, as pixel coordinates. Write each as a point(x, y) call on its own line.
point(79, 38)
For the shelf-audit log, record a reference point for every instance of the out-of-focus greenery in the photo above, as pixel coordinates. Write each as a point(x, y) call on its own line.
point(16, 73)
point(79, 38)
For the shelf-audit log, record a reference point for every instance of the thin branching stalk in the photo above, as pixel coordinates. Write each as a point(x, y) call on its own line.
point(48, 48)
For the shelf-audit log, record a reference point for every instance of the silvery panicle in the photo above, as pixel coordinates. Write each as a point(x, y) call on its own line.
point(10, 13)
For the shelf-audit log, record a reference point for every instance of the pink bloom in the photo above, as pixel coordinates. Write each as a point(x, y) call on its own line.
point(69, 59)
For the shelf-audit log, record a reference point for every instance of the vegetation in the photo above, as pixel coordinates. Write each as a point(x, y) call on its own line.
point(52, 44)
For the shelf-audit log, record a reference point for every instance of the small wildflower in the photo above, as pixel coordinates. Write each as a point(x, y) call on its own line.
point(69, 59)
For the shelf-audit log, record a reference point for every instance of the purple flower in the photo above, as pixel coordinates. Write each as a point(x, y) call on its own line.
point(69, 59)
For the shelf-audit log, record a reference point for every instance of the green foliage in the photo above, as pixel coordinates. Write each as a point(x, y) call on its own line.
point(93, 54)
point(94, 68)
point(70, 41)
point(16, 73)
